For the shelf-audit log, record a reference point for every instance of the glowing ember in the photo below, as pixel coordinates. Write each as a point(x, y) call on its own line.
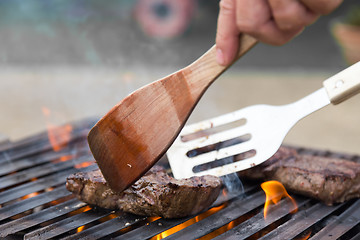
point(80, 210)
point(84, 164)
point(109, 217)
point(304, 237)
point(188, 222)
point(219, 231)
point(175, 229)
point(80, 229)
point(30, 195)
point(275, 191)
point(58, 135)
point(63, 158)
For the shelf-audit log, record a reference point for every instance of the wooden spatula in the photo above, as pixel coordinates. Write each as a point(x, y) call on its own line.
point(135, 133)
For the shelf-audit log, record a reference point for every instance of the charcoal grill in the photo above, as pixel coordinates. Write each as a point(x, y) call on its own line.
point(34, 203)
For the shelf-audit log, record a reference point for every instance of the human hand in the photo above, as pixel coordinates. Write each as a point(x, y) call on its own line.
point(274, 22)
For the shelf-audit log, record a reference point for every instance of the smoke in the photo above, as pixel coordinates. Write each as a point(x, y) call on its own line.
point(79, 58)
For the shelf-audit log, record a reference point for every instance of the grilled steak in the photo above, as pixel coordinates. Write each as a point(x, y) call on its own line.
point(330, 180)
point(154, 194)
point(327, 179)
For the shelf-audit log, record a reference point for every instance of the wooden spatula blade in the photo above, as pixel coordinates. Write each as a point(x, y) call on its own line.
point(137, 132)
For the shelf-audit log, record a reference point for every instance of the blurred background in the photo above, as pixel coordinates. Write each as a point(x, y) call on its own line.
point(66, 60)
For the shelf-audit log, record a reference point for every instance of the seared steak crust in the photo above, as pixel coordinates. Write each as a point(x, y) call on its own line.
point(154, 194)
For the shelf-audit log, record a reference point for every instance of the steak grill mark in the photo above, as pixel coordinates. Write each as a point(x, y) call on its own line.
point(34, 203)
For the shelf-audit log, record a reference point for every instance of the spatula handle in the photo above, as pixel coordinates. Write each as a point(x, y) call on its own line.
point(343, 85)
point(205, 70)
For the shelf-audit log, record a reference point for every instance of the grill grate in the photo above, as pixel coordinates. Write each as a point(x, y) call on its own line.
point(34, 203)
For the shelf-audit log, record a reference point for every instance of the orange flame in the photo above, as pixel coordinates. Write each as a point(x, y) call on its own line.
point(275, 191)
point(58, 135)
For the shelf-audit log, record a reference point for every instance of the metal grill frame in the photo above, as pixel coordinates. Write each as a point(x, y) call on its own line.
point(28, 167)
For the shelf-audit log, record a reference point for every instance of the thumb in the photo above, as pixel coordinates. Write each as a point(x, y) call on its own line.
point(227, 35)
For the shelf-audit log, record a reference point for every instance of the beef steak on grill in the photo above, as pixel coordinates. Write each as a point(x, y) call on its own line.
point(154, 194)
point(331, 180)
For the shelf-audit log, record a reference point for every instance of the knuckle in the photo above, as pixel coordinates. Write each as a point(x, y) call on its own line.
point(293, 17)
point(248, 26)
point(277, 40)
point(287, 27)
point(226, 6)
point(290, 25)
point(323, 9)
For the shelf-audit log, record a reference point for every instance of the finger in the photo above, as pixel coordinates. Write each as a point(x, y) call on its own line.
point(255, 18)
point(270, 33)
point(227, 36)
point(291, 14)
point(322, 7)
point(250, 15)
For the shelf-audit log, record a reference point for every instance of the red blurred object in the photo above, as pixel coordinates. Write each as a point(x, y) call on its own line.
point(164, 19)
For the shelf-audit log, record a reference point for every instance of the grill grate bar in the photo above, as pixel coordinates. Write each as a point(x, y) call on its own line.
point(152, 229)
point(60, 214)
point(108, 227)
point(234, 210)
point(39, 143)
point(38, 147)
point(39, 171)
point(301, 221)
point(9, 167)
point(343, 223)
point(39, 185)
point(29, 162)
point(161, 225)
point(30, 203)
point(40, 217)
point(258, 223)
point(356, 237)
point(145, 231)
point(66, 225)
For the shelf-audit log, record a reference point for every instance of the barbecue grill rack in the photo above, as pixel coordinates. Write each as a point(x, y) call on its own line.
point(34, 203)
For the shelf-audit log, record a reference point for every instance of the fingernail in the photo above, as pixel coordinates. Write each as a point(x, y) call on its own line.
point(220, 57)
